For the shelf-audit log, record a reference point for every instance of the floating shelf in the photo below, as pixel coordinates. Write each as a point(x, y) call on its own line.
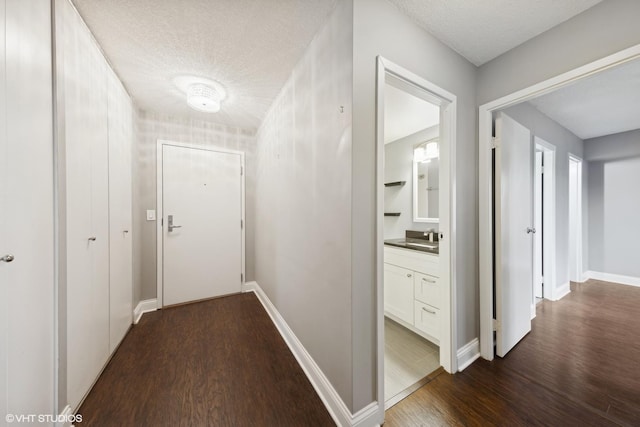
point(392, 214)
point(394, 184)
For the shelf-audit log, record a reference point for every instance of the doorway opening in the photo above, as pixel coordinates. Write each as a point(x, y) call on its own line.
point(415, 206)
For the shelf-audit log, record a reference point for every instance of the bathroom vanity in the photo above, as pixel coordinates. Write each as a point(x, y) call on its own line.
point(412, 285)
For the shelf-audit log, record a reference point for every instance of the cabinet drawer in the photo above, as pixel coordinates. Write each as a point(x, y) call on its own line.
point(427, 319)
point(427, 289)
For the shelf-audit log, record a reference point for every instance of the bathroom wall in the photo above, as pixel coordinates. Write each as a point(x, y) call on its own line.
point(150, 127)
point(566, 143)
point(303, 200)
point(398, 166)
point(614, 203)
point(381, 29)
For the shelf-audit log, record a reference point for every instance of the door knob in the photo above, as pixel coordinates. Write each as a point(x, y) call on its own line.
point(7, 258)
point(531, 230)
point(92, 239)
point(170, 225)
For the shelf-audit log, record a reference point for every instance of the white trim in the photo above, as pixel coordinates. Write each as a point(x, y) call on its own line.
point(485, 192)
point(329, 396)
point(448, 114)
point(144, 306)
point(160, 214)
point(614, 278)
point(468, 354)
point(65, 415)
point(548, 218)
point(577, 267)
point(561, 291)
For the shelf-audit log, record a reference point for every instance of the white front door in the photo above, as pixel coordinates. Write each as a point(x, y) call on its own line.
point(514, 232)
point(202, 230)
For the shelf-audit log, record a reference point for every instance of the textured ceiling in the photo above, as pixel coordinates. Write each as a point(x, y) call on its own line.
point(406, 114)
point(249, 46)
point(481, 30)
point(603, 104)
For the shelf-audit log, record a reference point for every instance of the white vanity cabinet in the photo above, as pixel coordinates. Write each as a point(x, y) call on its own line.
point(413, 291)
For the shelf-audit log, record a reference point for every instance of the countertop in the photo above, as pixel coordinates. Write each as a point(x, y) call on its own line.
point(421, 245)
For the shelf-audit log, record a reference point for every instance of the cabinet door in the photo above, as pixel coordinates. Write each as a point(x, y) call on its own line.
point(398, 292)
point(428, 320)
point(86, 159)
point(427, 289)
point(120, 250)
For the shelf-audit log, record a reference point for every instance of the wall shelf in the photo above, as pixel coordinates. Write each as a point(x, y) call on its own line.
point(395, 184)
point(392, 214)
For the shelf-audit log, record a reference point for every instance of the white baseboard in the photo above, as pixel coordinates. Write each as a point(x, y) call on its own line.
point(338, 410)
point(144, 306)
point(614, 278)
point(561, 292)
point(65, 417)
point(468, 354)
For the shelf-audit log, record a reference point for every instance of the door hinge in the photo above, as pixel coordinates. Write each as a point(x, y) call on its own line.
point(162, 222)
point(241, 278)
point(496, 325)
point(495, 142)
point(241, 224)
point(241, 170)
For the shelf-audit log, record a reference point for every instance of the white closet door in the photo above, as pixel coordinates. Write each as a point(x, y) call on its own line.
point(26, 210)
point(120, 250)
point(87, 208)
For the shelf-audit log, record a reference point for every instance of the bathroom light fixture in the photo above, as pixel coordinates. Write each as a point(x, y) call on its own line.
point(203, 98)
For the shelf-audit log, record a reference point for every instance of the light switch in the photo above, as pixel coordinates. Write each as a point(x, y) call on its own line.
point(151, 215)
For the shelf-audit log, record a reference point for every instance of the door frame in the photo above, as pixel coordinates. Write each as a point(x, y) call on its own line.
point(447, 102)
point(578, 237)
point(159, 213)
point(485, 192)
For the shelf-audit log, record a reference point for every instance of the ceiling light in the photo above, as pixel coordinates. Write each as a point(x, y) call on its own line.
point(203, 98)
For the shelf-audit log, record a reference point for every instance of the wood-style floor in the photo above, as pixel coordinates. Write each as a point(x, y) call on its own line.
point(579, 366)
point(220, 362)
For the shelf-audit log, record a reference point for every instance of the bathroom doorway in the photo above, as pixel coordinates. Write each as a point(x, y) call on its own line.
point(416, 134)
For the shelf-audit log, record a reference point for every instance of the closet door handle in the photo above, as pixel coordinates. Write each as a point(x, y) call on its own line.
point(408, 274)
point(428, 311)
point(428, 280)
point(92, 239)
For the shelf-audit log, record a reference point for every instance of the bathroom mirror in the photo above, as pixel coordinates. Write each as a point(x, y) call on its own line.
point(426, 171)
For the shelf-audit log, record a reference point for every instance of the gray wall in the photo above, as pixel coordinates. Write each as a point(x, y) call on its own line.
point(381, 29)
point(566, 143)
point(149, 128)
point(303, 201)
point(398, 166)
point(614, 203)
point(604, 29)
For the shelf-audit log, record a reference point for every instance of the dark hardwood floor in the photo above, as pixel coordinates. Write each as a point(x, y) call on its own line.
point(580, 365)
point(220, 362)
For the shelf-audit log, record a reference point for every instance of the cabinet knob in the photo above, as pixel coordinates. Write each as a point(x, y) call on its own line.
point(408, 274)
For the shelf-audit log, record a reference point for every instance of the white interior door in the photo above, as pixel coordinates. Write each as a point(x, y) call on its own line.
point(202, 214)
point(514, 237)
point(26, 211)
point(120, 240)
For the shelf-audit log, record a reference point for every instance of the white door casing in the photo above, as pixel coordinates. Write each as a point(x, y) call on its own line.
point(514, 232)
point(27, 283)
point(202, 190)
point(575, 219)
point(537, 220)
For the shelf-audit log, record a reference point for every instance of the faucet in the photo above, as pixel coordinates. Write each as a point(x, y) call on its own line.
point(429, 234)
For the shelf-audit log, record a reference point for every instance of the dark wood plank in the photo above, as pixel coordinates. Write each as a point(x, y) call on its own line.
point(220, 362)
point(580, 365)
